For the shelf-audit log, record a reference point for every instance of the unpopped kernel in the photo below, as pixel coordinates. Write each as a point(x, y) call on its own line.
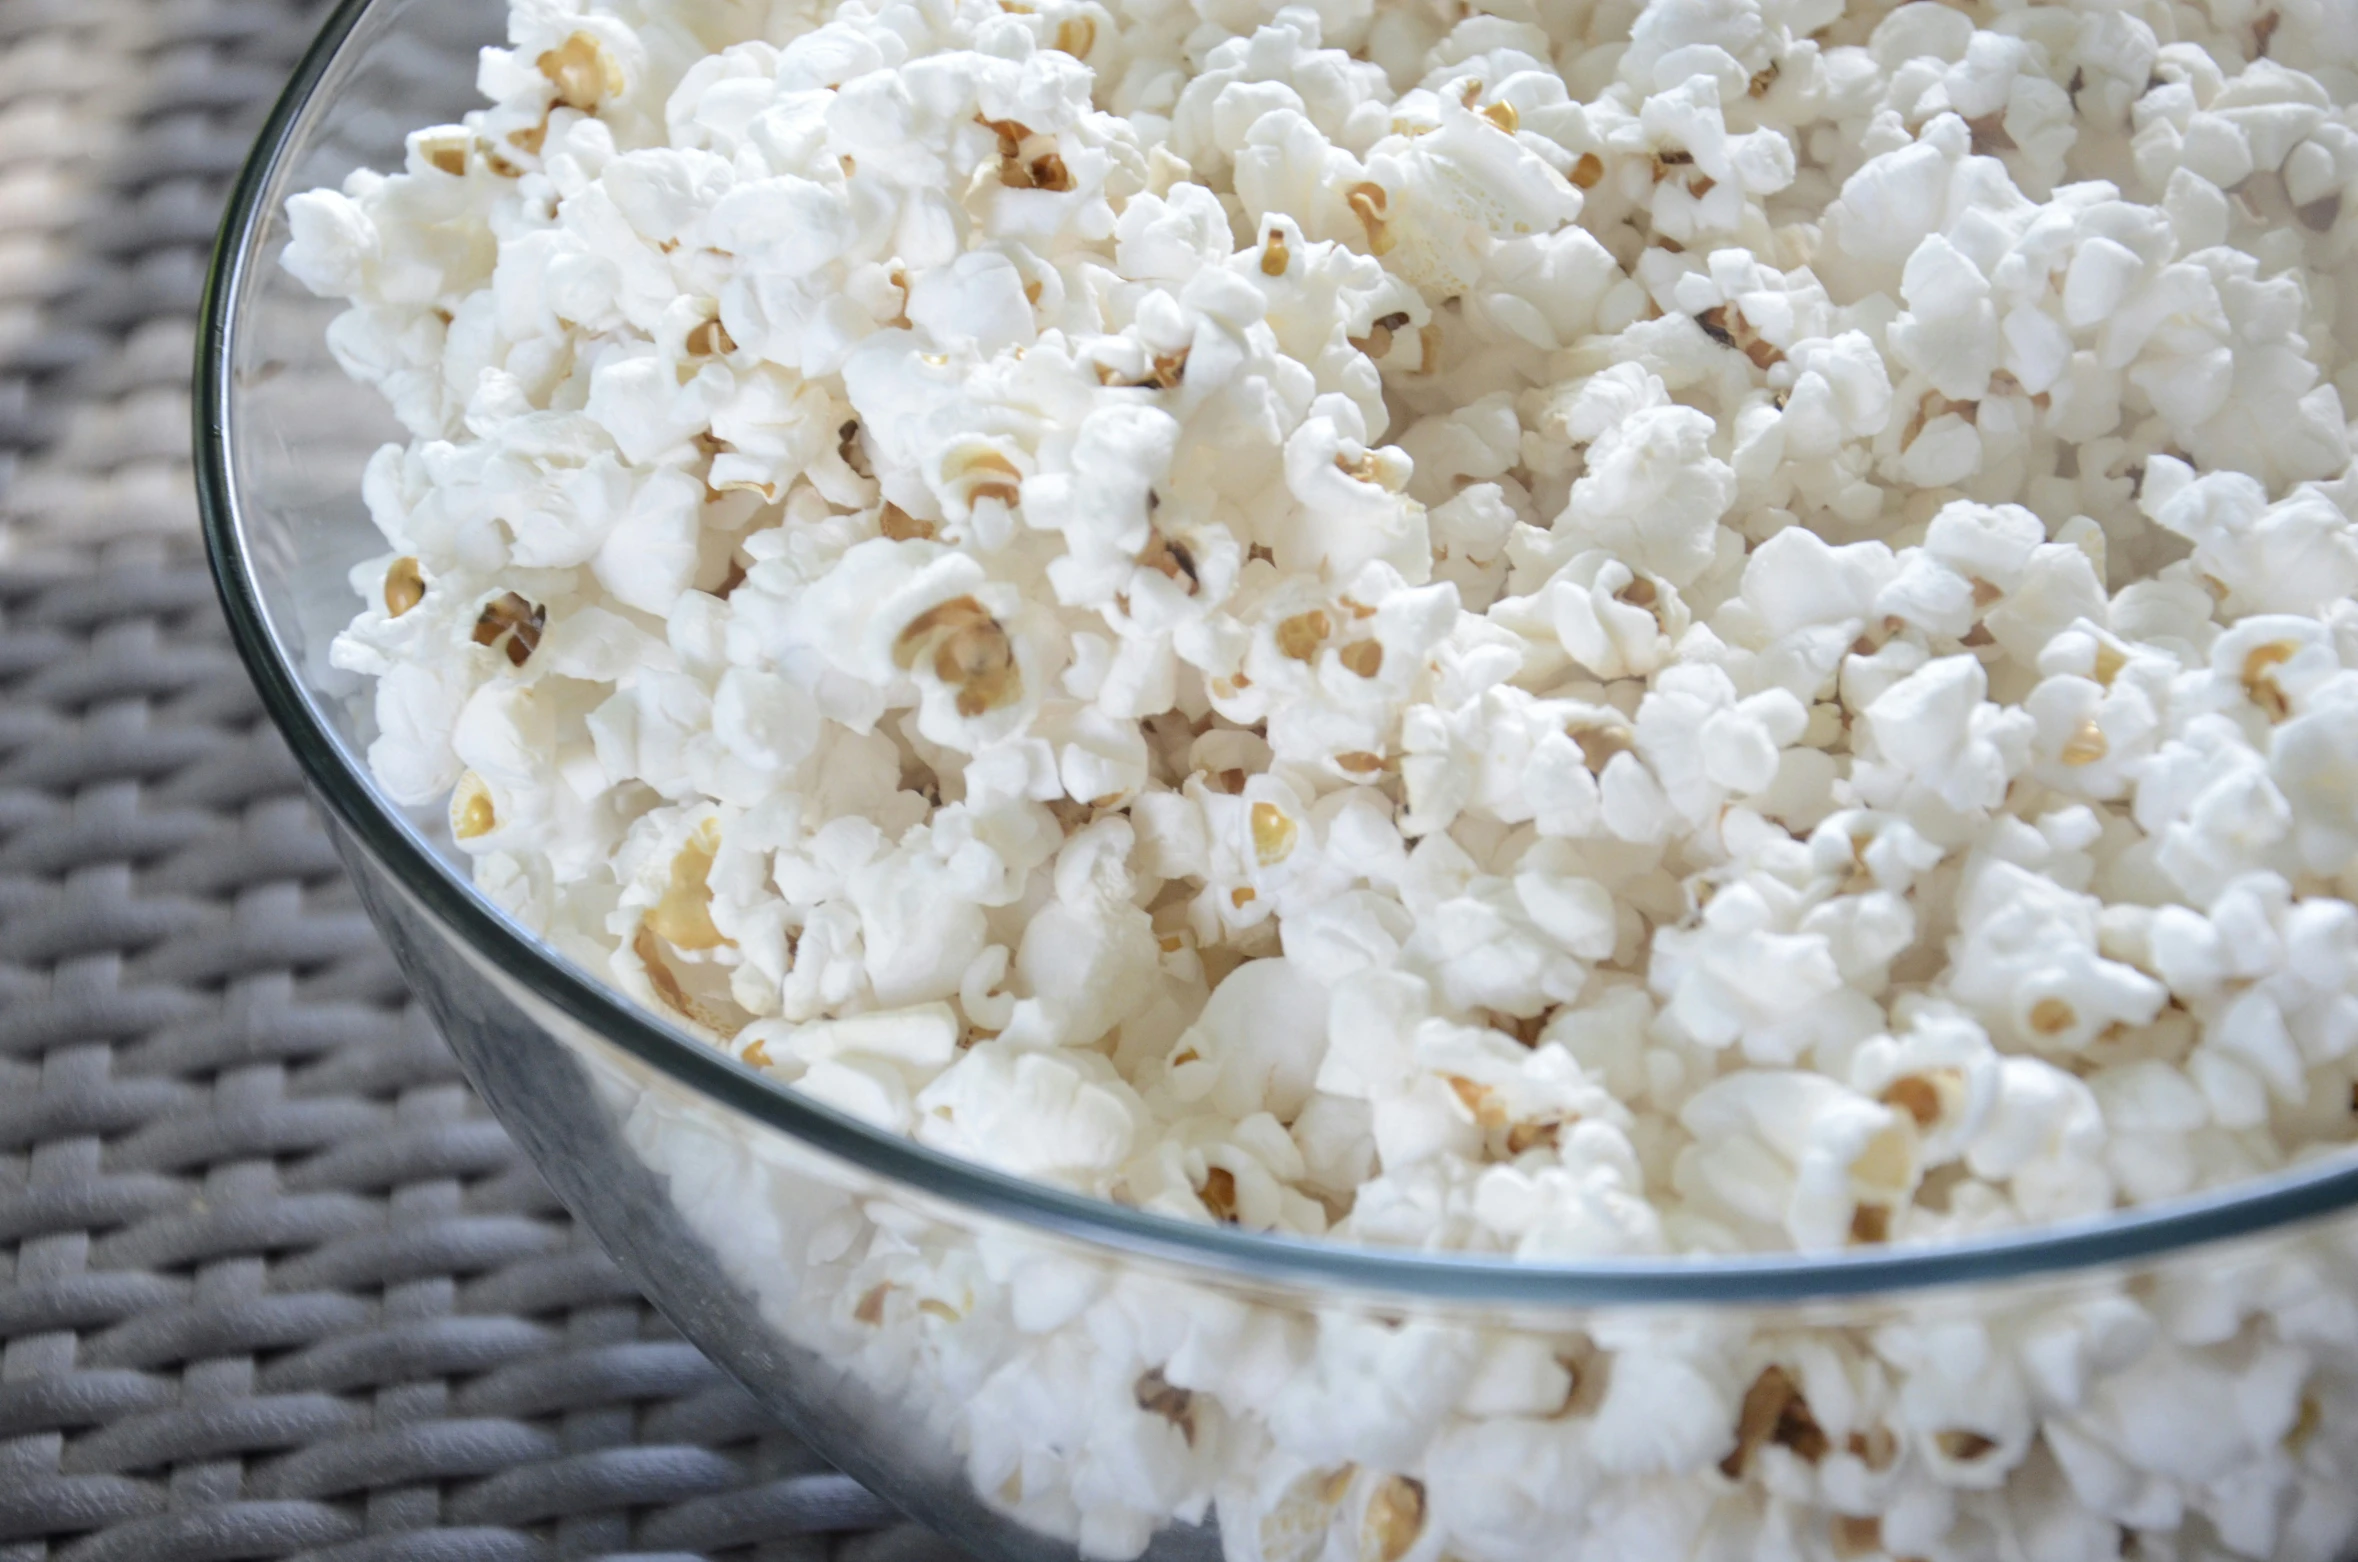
point(1558, 630)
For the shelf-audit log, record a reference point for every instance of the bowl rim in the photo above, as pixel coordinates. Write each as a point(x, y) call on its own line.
point(2054, 1250)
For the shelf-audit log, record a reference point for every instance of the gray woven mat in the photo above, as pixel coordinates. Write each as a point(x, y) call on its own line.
point(271, 1282)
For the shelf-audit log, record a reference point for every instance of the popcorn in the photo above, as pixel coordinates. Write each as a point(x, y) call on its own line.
point(1711, 628)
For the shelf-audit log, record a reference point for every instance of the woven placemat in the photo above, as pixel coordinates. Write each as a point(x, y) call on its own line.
point(272, 1282)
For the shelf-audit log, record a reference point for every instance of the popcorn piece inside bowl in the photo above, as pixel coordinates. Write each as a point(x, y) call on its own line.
point(1570, 633)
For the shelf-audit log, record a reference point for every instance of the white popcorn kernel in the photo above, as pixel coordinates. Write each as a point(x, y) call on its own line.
point(1257, 1045)
point(1941, 738)
point(2026, 962)
point(331, 243)
point(1653, 494)
point(1061, 1116)
point(1846, 1162)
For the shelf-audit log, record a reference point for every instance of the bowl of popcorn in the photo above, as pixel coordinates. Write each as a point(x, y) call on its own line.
point(1378, 780)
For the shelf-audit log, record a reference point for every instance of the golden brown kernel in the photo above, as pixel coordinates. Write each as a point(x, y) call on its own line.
point(971, 653)
point(847, 446)
point(1378, 340)
point(1774, 1411)
point(2052, 1016)
point(683, 917)
point(1360, 763)
point(1011, 134)
point(405, 587)
point(2086, 745)
point(1049, 173)
point(1870, 1223)
point(1526, 1029)
point(1171, 559)
point(711, 339)
point(979, 661)
point(1274, 255)
point(659, 975)
point(1219, 1193)
point(1917, 1096)
point(1395, 1518)
point(1875, 1448)
point(1274, 834)
point(448, 156)
point(2109, 662)
point(1588, 170)
point(899, 525)
point(1598, 745)
point(1532, 1136)
point(1156, 1395)
point(1857, 1534)
point(725, 1020)
point(1295, 1528)
point(1369, 201)
point(1962, 1445)
point(471, 812)
point(2259, 677)
point(1478, 1099)
point(1170, 369)
point(1364, 657)
point(530, 139)
point(1301, 635)
point(1076, 36)
point(584, 73)
point(1990, 136)
point(1008, 487)
point(2305, 1424)
point(1503, 115)
point(1242, 896)
point(519, 621)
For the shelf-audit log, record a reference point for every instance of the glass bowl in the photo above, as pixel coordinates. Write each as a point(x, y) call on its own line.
point(1038, 1374)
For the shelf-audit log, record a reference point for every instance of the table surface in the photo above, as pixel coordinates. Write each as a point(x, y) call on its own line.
point(272, 1282)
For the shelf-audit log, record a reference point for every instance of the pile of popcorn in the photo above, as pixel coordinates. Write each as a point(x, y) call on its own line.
point(1555, 628)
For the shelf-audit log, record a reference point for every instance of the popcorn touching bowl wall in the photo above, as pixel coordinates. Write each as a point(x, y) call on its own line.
point(1711, 638)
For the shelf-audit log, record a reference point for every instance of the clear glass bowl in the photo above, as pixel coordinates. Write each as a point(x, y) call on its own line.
point(1034, 1372)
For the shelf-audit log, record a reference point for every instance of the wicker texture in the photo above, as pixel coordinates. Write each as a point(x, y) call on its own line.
point(272, 1283)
